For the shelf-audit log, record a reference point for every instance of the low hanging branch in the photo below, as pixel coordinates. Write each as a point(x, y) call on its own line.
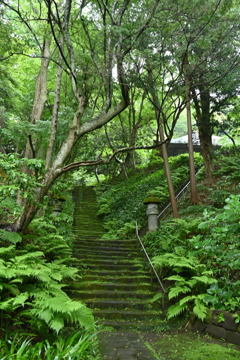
point(107, 161)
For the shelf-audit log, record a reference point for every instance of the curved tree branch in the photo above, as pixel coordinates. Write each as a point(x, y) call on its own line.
point(113, 156)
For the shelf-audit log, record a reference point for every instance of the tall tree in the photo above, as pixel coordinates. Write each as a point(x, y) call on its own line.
point(95, 30)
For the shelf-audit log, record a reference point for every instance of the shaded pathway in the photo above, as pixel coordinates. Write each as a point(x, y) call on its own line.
point(114, 284)
point(123, 346)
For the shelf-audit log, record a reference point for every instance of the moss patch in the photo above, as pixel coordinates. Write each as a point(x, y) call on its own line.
point(189, 346)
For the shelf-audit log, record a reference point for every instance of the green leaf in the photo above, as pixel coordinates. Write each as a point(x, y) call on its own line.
point(12, 237)
point(156, 297)
point(176, 278)
point(20, 300)
point(205, 279)
point(57, 323)
point(5, 250)
point(187, 299)
point(178, 290)
point(176, 310)
point(200, 310)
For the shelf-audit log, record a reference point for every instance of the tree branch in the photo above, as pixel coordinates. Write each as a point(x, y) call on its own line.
point(107, 161)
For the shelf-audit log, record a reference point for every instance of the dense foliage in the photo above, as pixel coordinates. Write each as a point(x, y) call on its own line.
point(35, 267)
point(79, 81)
point(199, 254)
point(122, 204)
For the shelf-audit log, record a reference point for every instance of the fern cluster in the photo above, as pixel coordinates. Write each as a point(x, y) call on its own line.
point(191, 278)
point(31, 288)
point(199, 258)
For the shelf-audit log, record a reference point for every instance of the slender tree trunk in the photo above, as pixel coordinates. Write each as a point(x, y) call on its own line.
point(2, 124)
point(164, 148)
point(193, 186)
point(203, 118)
point(168, 175)
point(205, 133)
point(130, 158)
point(40, 97)
point(54, 118)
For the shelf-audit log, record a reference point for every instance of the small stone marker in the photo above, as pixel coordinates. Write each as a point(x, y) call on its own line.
point(152, 202)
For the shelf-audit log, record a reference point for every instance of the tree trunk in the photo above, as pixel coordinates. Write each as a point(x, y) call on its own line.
point(193, 186)
point(2, 124)
point(203, 118)
point(54, 118)
point(168, 175)
point(40, 97)
point(164, 148)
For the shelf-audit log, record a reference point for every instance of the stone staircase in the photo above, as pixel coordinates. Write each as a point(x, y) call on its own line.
point(114, 283)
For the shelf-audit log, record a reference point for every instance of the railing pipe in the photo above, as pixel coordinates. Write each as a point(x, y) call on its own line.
point(177, 196)
point(149, 260)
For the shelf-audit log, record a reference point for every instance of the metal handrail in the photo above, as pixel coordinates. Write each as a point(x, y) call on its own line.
point(177, 196)
point(149, 260)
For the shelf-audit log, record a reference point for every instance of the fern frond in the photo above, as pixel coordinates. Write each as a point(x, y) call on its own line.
point(29, 256)
point(200, 310)
point(174, 292)
point(205, 279)
point(176, 278)
point(46, 315)
point(20, 300)
point(176, 310)
point(5, 250)
point(186, 299)
point(57, 323)
point(12, 237)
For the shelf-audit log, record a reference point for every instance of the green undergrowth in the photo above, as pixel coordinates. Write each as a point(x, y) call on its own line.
point(35, 268)
point(122, 204)
point(188, 346)
point(198, 256)
point(79, 345)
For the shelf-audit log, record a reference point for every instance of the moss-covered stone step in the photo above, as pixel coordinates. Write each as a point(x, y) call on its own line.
point(107, 242)
point(113, 294)
point(101, 252)
point(129, 315)
point(110, 266)
point(118, 304)
point(121, 258)
point(141, 325)
point(106, 285)
point(114, 283)
point(116, 278)
point(114, 260)
point(107, 250)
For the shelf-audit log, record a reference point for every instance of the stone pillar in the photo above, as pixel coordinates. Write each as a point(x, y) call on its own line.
point(152, 212)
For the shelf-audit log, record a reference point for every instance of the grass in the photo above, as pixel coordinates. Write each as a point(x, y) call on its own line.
point(78, 345)
point(190, 346)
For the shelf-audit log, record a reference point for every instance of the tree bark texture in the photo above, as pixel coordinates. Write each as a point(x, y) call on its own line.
point(164, 148)
point(203, 118)
point(193, 185)
point(40, 96)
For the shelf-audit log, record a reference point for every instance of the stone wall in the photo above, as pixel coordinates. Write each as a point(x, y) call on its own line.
point(227, 330)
